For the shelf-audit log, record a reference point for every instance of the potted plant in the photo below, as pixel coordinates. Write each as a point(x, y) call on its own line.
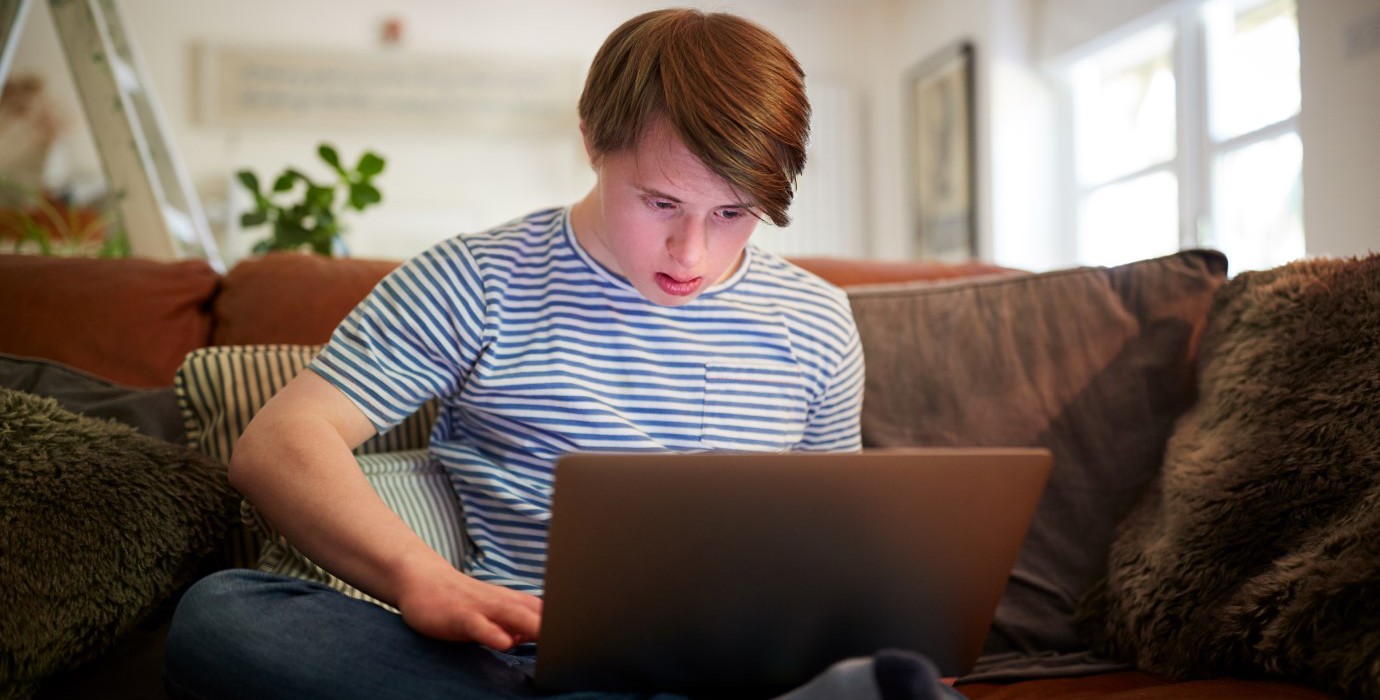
point(46, 224)
point(310, 218)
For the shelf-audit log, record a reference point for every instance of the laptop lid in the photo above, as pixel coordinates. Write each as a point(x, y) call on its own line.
point(731, 570)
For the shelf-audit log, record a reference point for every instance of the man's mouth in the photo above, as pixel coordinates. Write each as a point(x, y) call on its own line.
point(678, 287)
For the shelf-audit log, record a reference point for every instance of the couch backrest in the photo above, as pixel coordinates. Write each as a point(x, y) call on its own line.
point(133, 321)
point(291, 298)
point(846, 272)
point(130, 320)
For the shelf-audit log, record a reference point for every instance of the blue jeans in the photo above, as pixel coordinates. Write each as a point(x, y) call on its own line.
point(244, 634)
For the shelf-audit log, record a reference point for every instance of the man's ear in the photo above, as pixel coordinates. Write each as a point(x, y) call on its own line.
point(589, 148)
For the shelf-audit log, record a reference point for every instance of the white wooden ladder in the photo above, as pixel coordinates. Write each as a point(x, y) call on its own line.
point(154, 198)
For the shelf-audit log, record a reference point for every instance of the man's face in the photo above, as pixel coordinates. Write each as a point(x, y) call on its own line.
point(659, 218)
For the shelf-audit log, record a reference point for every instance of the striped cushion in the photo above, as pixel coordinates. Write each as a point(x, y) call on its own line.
point(220, 388)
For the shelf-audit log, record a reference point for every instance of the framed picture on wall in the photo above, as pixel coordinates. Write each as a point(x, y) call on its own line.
point(942, 155)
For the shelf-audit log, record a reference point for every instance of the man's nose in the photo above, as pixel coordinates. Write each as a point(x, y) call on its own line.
point(688, 244)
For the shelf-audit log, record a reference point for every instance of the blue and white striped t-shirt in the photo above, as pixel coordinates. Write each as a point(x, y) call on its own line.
point(535, 349)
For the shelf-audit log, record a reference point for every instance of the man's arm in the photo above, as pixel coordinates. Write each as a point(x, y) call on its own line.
point(294, 463)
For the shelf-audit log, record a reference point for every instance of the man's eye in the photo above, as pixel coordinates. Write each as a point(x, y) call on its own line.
point(731, 214)
point(661, 204)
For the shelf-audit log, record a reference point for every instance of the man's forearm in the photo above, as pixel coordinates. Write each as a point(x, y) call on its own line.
point(300, 474)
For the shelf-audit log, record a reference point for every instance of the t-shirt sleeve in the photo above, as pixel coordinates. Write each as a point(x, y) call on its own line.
point(415, 337)
point(834, 418)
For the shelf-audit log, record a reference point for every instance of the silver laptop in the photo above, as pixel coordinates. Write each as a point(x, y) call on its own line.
point(715, 571)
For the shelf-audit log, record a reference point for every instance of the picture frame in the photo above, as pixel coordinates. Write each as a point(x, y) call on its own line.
point(941, 154)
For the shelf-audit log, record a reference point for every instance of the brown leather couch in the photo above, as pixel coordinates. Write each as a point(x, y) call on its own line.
point(132, 321)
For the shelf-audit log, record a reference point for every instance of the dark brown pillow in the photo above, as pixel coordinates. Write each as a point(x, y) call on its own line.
point(152, 412)
point(1093, 363)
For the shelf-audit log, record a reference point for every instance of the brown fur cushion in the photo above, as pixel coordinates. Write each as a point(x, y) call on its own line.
point(98, 526)
point(1258, 553)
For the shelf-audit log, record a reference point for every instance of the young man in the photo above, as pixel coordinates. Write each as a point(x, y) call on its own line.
point(637, 319)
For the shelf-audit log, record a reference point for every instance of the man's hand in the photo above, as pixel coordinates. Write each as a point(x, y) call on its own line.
point(446, 604)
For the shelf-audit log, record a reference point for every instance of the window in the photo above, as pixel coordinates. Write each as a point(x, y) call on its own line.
point(1185, 134)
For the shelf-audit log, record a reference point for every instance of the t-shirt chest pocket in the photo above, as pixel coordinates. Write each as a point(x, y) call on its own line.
point(754, 406)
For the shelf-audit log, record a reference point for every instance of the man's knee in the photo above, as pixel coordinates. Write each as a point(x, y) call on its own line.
point(220, 604)
point(214, 624)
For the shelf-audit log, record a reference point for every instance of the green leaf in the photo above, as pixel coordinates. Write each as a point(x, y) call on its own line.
point(370, 164)
point(116, 245)
point(328, 154)
point(291, 235)
point(39, 235)
point(249, 180)
point(253, 218)
point(320, 197)
point(362, 194)
point(285, 181)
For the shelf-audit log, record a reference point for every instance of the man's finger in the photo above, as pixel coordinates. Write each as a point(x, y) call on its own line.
point(532, 603)
point(480, 629)
point(520, 621)
point(524, 601)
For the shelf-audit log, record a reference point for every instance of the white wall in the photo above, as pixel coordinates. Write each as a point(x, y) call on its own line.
point(860, 50)
point(1016, 144)
point(902, 34)
point(436, 183)
point(1340, 125)
point(1026, 231)
point(1061, 26)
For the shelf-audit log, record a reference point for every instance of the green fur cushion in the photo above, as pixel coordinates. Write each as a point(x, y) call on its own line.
point(1258, 552)
point(98, 526)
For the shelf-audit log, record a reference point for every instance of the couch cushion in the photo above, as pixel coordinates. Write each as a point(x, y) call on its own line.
point(1258, 551)
point(1093, 363)
point(98, 526)
point(291, 298)
point(152, 412)
point(219, 389)
point(130, 320)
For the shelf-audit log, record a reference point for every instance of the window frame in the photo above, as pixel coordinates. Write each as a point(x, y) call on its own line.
point(1196, 151)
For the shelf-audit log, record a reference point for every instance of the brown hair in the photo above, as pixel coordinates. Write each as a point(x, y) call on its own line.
point(732, 91)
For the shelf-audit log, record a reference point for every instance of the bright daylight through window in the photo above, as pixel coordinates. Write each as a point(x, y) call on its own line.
point(1185, 134)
